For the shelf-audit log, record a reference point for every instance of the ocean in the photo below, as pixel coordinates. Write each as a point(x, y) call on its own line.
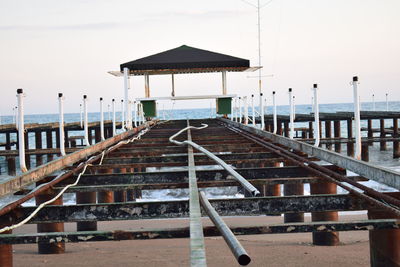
point(380, 158)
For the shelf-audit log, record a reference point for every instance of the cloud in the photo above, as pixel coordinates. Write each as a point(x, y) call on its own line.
point(73, 27)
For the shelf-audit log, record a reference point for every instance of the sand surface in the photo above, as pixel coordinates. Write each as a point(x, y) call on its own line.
point(265, 250)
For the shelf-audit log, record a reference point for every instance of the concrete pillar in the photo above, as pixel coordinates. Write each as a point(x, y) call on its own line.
point(310, 129)
point(49, 144)
point(324, 238)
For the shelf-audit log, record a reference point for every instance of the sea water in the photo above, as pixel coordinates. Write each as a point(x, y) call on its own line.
point(377, 157)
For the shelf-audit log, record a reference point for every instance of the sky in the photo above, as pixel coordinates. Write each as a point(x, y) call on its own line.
point(51, 46)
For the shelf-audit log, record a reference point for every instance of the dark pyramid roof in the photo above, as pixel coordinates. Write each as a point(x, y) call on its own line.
point(185, 57)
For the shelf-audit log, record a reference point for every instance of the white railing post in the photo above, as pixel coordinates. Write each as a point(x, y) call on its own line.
point(21, 130)
point(387, 102)
point(291, 133)
point(85, 121)
point(114, 128)
point(275, 115)
point(135, 113)
point(373, 102)
point(101, 120)
point(240, 109)
point(15, 117)
point(61, 123)
point(316, 116)
point(357, 118)
point(246, 111)
point(262, 112)
point(81, 115)
point(253, 112)
point(122, 115)
point(294, 107)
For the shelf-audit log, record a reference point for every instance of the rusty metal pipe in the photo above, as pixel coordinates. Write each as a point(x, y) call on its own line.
point(240, 253)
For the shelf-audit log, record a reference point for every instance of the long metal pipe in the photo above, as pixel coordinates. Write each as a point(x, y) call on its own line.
point(21, 130)
point(235, 110)
point(357, 125)
point(114, 130)
point(85, 122)
point(101, 120)
point(291, 133)
point(61, 123)
point(275, 115)
point(248, 186)
point(316, 116)
point(238, 251)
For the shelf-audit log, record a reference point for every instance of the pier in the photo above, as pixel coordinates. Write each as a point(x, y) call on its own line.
point(114, 180)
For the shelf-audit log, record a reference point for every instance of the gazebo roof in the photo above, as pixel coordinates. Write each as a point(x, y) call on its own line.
point(185, 59)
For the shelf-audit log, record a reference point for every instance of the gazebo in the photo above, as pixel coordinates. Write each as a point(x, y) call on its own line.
point(180, 60)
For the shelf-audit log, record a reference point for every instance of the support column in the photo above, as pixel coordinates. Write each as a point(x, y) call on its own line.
point(11, 167)
point(105, 196)
point(286, 128)
point(38, 145)
point(370, 132)
point(365, 151)
point(310, 130)
point(6, 253)
point(324, 238)
point(27, 156)
point(86, 198)
point(382, 135)
point(396, 144)
point(336, 131)
point(350, 145)
point(293, 190)
point(328, 133)
point(384, 245)
point(56, 247)
point(49, 144)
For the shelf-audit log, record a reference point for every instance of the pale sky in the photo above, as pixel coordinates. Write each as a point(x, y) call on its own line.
point(52, 46)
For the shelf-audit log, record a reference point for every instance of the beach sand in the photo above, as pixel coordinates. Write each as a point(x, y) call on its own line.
point(265, 250)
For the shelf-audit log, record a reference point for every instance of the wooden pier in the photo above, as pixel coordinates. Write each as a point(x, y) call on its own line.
point(117, 171)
